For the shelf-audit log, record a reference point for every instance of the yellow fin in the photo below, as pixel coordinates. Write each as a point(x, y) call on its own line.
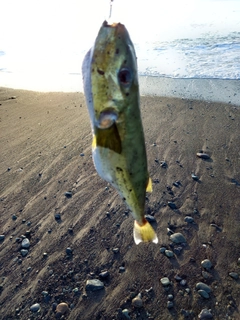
point(149, 185)
point(144, 233)
point(108, 138)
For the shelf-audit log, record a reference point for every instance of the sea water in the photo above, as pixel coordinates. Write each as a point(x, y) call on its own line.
point(42, 43)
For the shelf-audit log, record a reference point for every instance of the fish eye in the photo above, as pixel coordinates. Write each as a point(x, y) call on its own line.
point(125, 77)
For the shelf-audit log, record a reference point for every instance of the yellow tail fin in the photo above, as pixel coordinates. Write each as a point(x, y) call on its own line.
point(144, 232)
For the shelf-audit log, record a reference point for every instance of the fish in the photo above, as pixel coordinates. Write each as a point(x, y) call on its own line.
point(111, 88)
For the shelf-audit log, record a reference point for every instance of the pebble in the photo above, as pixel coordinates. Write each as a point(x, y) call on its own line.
point(194, 177)
point(205, 314)
point(2, 237)
point(24, 252)
point(162, 249)
point(35, 307)
point(178, 238)
point(150, 218)
point(115, 250)
point(125, 313)
point(206, 275)
point(203, 155)
point(203, 286)
point(203, 294)
point(206, 264)
point(234, 275)
point(163, 164)
point(25, 243)
point(165, 281)
point(68, 194)
point(14, 217)
point(188, 219)
point(169, 253)
point(121, 269)
point(183, 282)
point(62, 308)
point(170, 297)
point(137, 301)
point(69, 251)
point(58, 216)
point(172, 205)
point(104, 274)
point(94, 285)
point(177, 250)
point(170, 304)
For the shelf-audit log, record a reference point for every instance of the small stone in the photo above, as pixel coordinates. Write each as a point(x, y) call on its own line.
point(62, 308)
point(14, 217)
point(234, 275)
point(94, 285)
point(24, 252)
point(194, 177)
point(75, 290)
point(188, 219)
point(104, 274)
point(169, 253)
point(69, 251)
point(45, 254)
point(203, 294)
point(163, 164)
point(121, 269)
point(170, 304)
point(206, 275)
point(2, 237)
point(115, 250)
point(82, 154)
point(162, 249)
point(238, 262)
point(25, 243)
point(183, 282)
point(165, 281)
point(203, 155)
point(206, 264)
point(44, 293)
point(203, 286)
point(172, 205)
point(125, 313)
point(150, 218)
point(68, 194)
point(178, 238)
point(205, 314)
point(58, 216)
point(170, 297)
point(137, 301)
point(177, 250)
point(35, 307)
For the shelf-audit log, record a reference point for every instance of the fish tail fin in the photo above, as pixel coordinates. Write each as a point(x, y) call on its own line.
point(144, 232)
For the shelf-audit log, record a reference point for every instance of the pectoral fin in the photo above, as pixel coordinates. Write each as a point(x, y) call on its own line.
point(149, 185)
point(108, 138)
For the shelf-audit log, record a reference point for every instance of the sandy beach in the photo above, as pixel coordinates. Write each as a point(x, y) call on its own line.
point(78, 226)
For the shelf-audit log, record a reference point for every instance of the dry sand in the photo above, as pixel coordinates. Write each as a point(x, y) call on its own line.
point(42, 137)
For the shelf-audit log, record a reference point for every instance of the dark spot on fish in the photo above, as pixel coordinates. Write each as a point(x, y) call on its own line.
point(117, 51)
point(130, 190)
point(125, 61)
point(101, 72)
point(127, 94)
point(92, 70)
point(119, 169)
point(124, 199)
point(108, 52)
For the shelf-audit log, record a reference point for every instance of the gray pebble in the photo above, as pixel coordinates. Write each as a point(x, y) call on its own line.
point(172, 205)
point(94, 285)
point(25, 243)
point(205, 314)
point(206, 275)
point(178, 238)
point(150, 218)
point(234, 275)
point(115, 250)
point(203, 294)
point(125, 313)
point(14, 217)
point(206, 264)
point(170, 304)
point(169, 253)
point(68, 194)
point(69, 251)
point(203, 286)
point(35, 307)
point(24, 252)
point(58, 216)
point(2, 237)
point(162, 249)
point(104, 274)
point(121, 269)
point(183, 282)
point(137, 301)
point(188, 219)
point(203, 155)
point(165, 281)
point(170, 297)
point(194, 177)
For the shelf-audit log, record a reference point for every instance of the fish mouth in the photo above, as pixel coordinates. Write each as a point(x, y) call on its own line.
point(107, 118)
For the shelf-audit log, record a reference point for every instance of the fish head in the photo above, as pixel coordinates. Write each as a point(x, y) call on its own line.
point(114, 78)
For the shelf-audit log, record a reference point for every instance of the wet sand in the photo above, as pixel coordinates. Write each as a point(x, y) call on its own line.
point(46, 151)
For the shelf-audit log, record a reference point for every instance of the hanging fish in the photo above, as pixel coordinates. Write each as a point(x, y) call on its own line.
point(112, 96)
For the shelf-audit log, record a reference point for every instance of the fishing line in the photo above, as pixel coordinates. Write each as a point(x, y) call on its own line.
point(110, 13)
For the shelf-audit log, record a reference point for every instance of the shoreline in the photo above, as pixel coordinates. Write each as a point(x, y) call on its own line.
point(210, 90)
